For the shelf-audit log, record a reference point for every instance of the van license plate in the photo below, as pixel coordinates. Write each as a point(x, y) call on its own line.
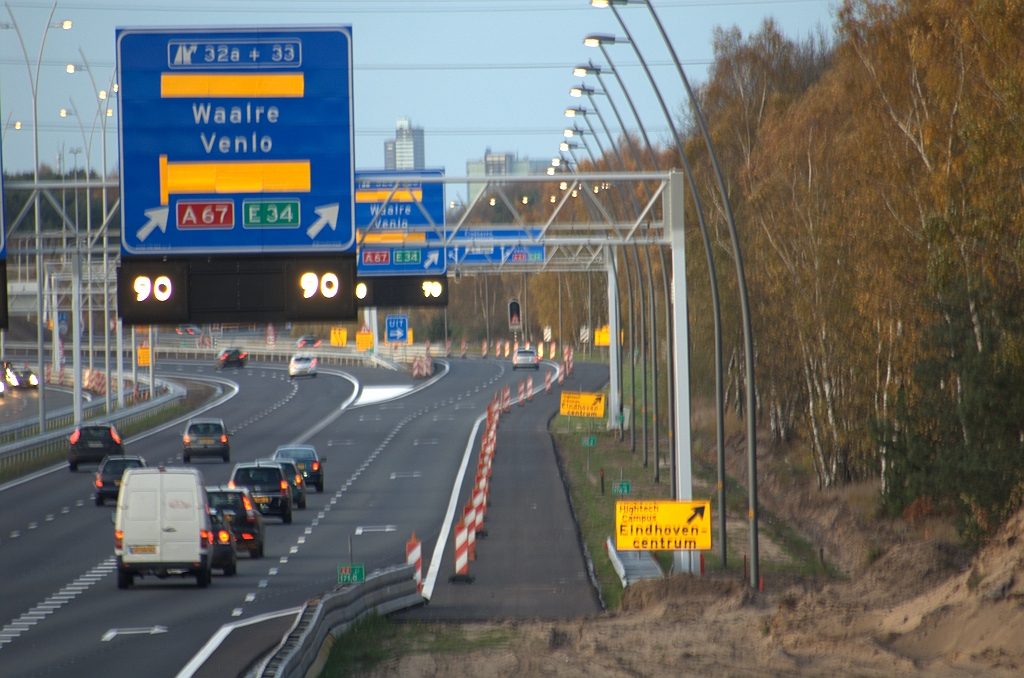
point(142, 549)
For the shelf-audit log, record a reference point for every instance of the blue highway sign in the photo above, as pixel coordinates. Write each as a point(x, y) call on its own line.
point(488, 254)
point(236, 140)
point(410, 203)
point(396, 329)
point(402, 261)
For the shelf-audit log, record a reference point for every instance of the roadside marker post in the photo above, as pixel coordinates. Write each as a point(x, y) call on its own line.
point(469, 518)
point(529, 388)
point(547, 381)
point(463, 349)
point(561, 374)
point(522, 393)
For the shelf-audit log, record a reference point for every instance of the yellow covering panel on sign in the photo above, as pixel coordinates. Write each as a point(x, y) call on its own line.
point(190, 178)
point(144, 356)
point(602, 336)
point(364, 341)
point(577, 404)
point(663, 525)
point(339, 336)
point(231, 85)
point(386, 238)
point(381, 194)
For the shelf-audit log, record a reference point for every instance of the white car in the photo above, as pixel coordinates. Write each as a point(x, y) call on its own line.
point(302, 366)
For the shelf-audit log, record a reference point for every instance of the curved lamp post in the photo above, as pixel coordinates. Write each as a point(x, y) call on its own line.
point(33, 79)
point(748, 337)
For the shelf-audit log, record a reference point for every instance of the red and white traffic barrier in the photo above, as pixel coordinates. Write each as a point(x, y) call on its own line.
point(515, 348)
point(547, 381)
point(529, 388)
point(561, 374)
point(447, 348)
point(506, 349)
point(506, 399)
point(522, 393)
point(554, 350)
point(483, 351)
point(414, 557)
point(480, 504)
point(569, 360)
point(463, 348)
point(469, 519)
point(461, 550)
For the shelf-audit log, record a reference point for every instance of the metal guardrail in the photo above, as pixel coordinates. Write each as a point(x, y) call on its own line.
point(632, 566)
point(332, 613)
point(27, 450)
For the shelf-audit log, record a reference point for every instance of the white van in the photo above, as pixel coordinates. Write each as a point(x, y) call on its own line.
point(162, 526)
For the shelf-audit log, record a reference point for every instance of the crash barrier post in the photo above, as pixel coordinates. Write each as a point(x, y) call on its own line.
point(522, 393)
point(547, 381)
point(461, 550)
point(529, 388)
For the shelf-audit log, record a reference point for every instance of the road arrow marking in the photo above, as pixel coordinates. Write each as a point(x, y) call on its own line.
point(141, 631)
point(328, 217)
point(363, 529)
point(432, 257)
point(157, 218)
point(698, 512)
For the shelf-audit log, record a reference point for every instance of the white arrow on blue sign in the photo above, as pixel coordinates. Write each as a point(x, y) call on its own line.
point(236, 140)
point(396, 328)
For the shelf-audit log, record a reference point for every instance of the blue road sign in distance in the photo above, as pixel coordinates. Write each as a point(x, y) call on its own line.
point(401, 261)
point(494, 254)
point(403, 209)
point(396, 328)
point(236, 140)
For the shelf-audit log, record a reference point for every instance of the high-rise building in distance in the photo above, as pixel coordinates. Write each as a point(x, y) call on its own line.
point(499, 165)
point(406, 150)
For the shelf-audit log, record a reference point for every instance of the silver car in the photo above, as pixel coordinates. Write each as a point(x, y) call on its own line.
point(526, 358)
point(302, 365)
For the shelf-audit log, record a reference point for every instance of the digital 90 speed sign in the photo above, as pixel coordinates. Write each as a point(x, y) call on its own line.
point(239, 289)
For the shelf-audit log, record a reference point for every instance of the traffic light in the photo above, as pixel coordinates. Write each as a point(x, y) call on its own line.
point(515, 318)
point(402, 290)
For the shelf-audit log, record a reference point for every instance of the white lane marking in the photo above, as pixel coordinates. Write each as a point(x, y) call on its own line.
point(406, 474)
point(272, 571)
point(249, 597)
point(214, 642)
point(23, 623)
point(237, 612)
point(442, 539)
point(263, 583)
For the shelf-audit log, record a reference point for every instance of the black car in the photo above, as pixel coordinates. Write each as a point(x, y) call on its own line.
point(224, 556)
point(295, 479)
point(231, 357)
point(108, 477)
point(19, 377)
point(310, 464)
point(205, 437)
point(270, 490)
point(308, 341)
point(91, 443)
point(237, 507)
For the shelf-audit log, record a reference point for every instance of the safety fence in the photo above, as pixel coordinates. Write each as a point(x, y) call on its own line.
point(26, 445)
point(304, 649)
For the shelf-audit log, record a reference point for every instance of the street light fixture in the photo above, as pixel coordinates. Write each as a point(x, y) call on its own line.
point(33, 79)
point(580, 90)
point(573, 112)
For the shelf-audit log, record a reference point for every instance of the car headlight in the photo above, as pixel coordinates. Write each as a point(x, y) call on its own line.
point(34, 380)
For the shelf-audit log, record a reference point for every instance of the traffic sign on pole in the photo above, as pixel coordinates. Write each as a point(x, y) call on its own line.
point(388, 202)
point(236, 140)
point(396, 328)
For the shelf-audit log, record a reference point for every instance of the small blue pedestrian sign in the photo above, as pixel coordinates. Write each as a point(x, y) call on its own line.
point(397, 329)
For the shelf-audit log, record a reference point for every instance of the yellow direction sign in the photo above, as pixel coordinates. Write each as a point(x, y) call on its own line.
point(143, 356)
point(663, 525)
point(339, 336)
point(602, 336)
point(577, 404)
point(364, 341)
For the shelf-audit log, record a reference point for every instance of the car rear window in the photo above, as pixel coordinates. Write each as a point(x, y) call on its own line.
point(257, 476)
point(117, 466)
point(93, 433)
point(295, 454)
point(205, 429)
point(222, 500)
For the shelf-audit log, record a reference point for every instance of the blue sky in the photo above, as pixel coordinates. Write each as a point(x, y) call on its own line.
point(474, 74)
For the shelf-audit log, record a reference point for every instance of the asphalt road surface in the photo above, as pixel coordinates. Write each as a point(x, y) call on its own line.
point(392, 457)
